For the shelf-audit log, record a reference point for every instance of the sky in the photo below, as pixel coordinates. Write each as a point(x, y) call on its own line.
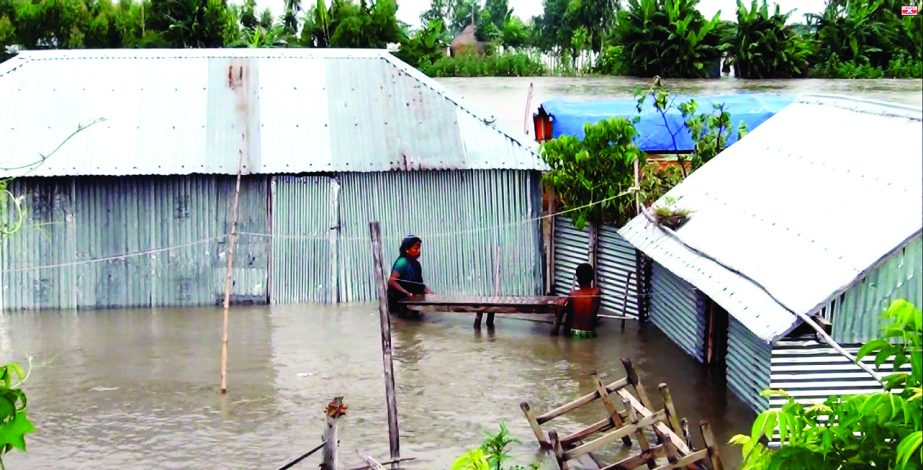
point(409, 10)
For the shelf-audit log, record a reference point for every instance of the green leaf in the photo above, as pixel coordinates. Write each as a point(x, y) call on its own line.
point(909, 446)
point(13, 432)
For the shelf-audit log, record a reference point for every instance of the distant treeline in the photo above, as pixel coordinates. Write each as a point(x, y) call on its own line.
point(669, 38)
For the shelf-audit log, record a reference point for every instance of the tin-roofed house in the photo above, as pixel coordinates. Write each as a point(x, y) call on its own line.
point(816, 213)
point(135, 210)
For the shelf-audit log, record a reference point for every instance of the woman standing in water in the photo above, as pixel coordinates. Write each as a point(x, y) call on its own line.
point(406, 274)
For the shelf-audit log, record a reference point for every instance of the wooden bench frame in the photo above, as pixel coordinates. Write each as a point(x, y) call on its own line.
point(543, 305)
point(632, 419)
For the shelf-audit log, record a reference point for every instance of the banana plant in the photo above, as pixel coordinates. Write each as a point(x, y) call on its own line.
point(764, 46)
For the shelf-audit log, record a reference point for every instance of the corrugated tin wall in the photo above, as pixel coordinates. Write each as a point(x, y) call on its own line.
point(47, 238)
point(111, 242)
point(857, 317)
point(748, 365)
point(304, 228)
point(570, 249)
point(152, 241)
point(462, 217)
point(615, 259)
point(812, 371)
point(678, 310)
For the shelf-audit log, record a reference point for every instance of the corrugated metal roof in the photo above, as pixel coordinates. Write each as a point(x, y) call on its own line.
point(288, 110)
point(805, 205)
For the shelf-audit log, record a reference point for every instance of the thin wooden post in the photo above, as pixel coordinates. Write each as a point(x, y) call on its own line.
point(687, 437)
point(625, 299)
point(386, 353)
point(637, 186)
point(533, 423)
point(592, 248)
point(635, 382)
point(558, 450)
point(232, 242)
point(712, 447)
point(497, 253)
point(549, 251)
point(671, 410)
point(335, 409)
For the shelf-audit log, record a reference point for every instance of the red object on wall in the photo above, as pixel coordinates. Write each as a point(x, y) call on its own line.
point(541, 121)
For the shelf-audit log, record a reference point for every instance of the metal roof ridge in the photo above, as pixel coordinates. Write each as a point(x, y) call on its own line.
point(863, 105)
point(453, 98)
point(10, 65)
point(199, 53)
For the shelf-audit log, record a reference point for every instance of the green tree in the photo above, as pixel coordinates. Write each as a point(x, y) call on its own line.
point(593, 176)
point(426, 45)
point(464, 13)
point(290, 17)
point(487, 30)
point(51, 24)
point(498, 11)
point(439, 10)
point(190, 23)
point(864, 32)
point(764, 46)
point(248, 17)
point(667, 38)
point(876, 430)
point(515, 33)
point(346, 24)
point(8, 38)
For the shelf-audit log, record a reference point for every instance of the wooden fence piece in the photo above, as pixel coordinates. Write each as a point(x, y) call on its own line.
point(635, 382)
point(710, 445)
point(642, 439)
point(671, 410)
point(533, 423)
point(610, 406)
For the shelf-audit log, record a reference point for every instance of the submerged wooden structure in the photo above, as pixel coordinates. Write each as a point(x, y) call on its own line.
point(628, 415)
point(490, 305)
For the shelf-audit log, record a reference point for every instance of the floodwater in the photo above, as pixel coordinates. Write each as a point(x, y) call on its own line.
point(506, 98)
point(139, 388)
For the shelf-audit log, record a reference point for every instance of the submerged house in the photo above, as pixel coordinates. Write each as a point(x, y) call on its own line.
point(135, 209)
point(816, 212)
point(657, 133)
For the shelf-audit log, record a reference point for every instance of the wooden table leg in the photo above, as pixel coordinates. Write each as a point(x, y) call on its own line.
point(477, 320)
point(557, 322)
point(490, 320)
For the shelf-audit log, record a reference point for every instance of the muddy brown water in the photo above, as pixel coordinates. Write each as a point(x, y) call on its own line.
point(139, 388)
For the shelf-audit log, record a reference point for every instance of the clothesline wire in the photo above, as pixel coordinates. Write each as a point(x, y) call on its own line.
point(305, 237)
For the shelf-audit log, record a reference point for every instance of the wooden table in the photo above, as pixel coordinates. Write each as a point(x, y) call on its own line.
point(488, 304)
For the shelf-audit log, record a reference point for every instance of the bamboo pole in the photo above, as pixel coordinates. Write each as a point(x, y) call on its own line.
point(385, 320)
point(525, 123)
point(232, 242)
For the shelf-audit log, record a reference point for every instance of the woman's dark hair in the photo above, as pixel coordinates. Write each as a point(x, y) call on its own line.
point(408, 242)
point(585, 274)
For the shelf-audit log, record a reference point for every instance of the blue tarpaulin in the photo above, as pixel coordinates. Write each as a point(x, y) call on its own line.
point(569, 117)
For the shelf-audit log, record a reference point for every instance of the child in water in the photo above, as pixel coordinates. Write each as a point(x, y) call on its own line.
point(583, 304)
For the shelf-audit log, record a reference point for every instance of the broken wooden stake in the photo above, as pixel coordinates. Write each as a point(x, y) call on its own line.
point(386, 349)
point(335, 409)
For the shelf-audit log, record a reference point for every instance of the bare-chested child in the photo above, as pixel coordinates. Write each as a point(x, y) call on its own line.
point(583, 304)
